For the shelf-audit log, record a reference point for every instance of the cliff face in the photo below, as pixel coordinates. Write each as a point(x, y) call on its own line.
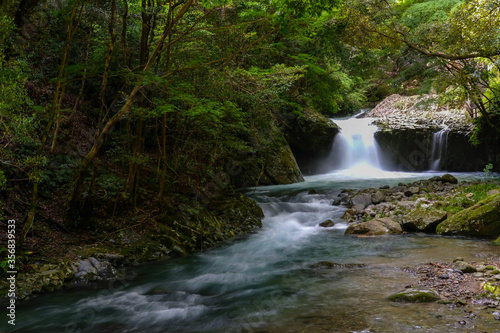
point(405, 149)
point(270, 160)
point(310, 136)
point(418, 134)
point(280, 153)
point(413, 150)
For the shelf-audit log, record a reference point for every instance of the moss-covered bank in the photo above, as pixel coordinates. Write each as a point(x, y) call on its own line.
point(480, 220)
point(173, 233)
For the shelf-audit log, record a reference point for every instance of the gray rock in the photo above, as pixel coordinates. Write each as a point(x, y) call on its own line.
point(416, 295)
point(493, 192)
point(364, 199)
point(359, 208)
point(96, 263)
point(378, 197)
point(336, 202)
point(412, 190)
point(92, 269)
point(464, 267)
point(349, 214)
point(327, 224)
point(86, 267)
point(407, 205)
point(425, 220)
point(375, 227)
point(481, 268)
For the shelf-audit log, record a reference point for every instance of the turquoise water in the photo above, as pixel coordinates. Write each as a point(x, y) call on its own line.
point(264, 282)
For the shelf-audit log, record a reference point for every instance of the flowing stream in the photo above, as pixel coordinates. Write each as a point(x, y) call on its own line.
point(265, 282)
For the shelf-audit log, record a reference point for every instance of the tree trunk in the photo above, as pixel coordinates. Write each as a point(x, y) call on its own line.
point(74, 198)
point(54, 109)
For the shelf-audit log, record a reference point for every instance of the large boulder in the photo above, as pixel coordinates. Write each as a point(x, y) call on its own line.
point(446, 178)
point(364, 199)
point(375, 227)
point(480, 220)
point(271, 162)
point(310, 136)
point(311, 133)
point(378, 197)
point(421, 219)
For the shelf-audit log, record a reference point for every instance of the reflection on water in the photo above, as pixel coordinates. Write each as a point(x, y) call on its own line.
point(265, 282)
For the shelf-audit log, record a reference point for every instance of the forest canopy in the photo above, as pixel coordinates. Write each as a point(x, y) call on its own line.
point(118, 104)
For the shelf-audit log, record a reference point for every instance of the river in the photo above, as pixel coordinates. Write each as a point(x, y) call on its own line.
point(265, 281)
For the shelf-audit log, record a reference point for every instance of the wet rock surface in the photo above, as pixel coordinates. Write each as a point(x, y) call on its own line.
point(440, 204)
point(416, 295)
point(375, 227)
point(327, 224)
point(42, 278)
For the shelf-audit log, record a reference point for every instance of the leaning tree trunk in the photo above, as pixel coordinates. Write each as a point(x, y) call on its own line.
point(75, 196)
point(53, 111)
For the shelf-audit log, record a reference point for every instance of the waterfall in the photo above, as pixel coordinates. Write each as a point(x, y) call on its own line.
point(354, 147)
point(439, 144)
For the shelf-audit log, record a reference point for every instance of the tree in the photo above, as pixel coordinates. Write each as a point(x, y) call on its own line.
point(463, 38)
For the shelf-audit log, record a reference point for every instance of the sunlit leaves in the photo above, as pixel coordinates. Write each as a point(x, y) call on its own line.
point(428, 12)
point(301, 7)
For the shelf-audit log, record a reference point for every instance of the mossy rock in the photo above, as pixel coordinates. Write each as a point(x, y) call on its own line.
point(327, 224)
point(416, 295)
point(375, 227)
point(421, 219)
point(464, 267)
point(271, 163)
point(311, 133)
point(225, 216)
point(480, 220)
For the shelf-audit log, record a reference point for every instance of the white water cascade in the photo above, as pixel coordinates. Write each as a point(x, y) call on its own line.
point(354, 149)
point(439, 144)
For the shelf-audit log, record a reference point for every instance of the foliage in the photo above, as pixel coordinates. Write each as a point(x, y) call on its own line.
point(21, 258)
point(468, 196)
point(442, 44)
point(426, 12)
point(488, 168)
point(153, 101)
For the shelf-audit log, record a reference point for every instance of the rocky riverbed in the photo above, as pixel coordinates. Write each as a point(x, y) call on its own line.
point(425, 206)
point(429, 206)
point(459, 283)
